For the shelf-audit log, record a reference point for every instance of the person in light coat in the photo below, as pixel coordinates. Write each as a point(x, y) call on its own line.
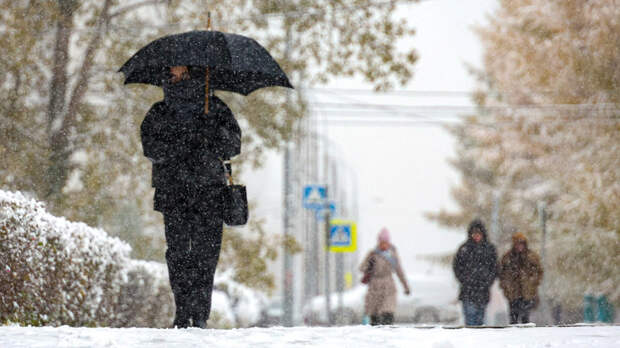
point(380, 263)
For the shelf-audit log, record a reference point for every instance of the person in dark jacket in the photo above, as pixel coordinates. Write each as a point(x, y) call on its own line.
point(520, 274)
point(475, 267)
point(187, 147)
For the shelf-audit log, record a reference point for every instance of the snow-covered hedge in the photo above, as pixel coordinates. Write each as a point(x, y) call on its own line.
point(145, 298)
point(57, 272)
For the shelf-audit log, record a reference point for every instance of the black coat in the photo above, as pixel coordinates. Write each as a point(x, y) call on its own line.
point(475, 267)
point(186, 146)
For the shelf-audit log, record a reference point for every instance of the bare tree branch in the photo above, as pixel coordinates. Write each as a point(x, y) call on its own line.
point(85, 70)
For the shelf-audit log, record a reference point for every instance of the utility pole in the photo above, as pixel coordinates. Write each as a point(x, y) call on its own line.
point(339, 256)
point(308, 269)
point(327, 227)
point(287, 274)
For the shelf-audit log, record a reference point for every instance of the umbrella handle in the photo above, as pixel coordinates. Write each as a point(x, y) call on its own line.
point(207, 71)
point(207, 91)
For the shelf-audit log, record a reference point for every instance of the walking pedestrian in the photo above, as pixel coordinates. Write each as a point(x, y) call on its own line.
point(378, 266)
point(520, 275)
point(186, 147)
point(475, 267)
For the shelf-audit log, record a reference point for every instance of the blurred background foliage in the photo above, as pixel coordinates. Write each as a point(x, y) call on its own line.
point(69, 133)
point(547, 132)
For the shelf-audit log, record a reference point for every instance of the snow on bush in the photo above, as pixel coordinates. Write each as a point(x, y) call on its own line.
point(246, 304)
point(221, 311)
point(146, 299)
point(57, 272)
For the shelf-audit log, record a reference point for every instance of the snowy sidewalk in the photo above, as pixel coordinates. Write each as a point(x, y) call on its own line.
point(341, 337)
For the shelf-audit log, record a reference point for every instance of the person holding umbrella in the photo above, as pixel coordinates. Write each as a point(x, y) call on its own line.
point(186, 147)
point(188, 136)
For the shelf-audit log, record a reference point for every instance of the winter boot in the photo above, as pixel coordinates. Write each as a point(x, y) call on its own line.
point(199, 323)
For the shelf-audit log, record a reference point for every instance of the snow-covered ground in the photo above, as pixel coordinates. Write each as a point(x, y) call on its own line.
point(341, 337)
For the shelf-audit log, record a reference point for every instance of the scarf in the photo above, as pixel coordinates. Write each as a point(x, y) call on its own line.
point(387, 254)
point(186, 98)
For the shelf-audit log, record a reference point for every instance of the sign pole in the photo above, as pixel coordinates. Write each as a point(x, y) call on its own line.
point(342, 239)
point(327, 246)
point(340, 286)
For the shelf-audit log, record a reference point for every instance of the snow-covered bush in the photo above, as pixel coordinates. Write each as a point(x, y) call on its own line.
point(145, 298)
point(57, 272)
point(222, 316)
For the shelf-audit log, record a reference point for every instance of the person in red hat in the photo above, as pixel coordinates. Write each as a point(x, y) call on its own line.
point(520, 274)
point(378, 266)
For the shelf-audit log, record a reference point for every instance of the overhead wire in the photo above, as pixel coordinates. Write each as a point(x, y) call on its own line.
point(354, 112)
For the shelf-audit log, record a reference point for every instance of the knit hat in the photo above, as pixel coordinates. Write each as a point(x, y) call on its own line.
point(384, 235)
point(519, 238)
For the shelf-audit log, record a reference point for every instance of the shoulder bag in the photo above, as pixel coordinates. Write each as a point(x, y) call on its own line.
point(235, 201)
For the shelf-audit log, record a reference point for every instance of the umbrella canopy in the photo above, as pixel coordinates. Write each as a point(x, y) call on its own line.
point(236, 63)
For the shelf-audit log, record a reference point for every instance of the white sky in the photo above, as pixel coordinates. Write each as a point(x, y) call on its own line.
point(403, 171)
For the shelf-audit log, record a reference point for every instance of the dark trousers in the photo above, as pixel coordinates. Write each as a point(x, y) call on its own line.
point(520, 311)
point(194, 240)
point(382, 319)
point(474, 313)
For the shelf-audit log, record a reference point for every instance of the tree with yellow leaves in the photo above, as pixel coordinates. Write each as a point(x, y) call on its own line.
point(547, 133)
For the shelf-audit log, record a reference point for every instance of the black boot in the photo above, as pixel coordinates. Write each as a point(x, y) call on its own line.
point(199, 323)
point(180, 323)
point(177, 261)
point(198, 308)
point(387, 318)
point(181, 317)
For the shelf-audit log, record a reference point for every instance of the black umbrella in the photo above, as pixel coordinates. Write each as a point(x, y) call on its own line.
point(235, 63)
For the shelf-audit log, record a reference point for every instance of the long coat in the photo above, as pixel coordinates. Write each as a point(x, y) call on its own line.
point(186, 148)
point(475, 267)
point(520, 275)
point(381, 295)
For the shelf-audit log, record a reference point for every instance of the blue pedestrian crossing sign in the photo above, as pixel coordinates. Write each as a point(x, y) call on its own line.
point(342, 236)
point(314, 197)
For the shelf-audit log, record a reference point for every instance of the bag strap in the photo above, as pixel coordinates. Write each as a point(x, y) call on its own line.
point(391, 259)
point(371, 261)
point(227, 171)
